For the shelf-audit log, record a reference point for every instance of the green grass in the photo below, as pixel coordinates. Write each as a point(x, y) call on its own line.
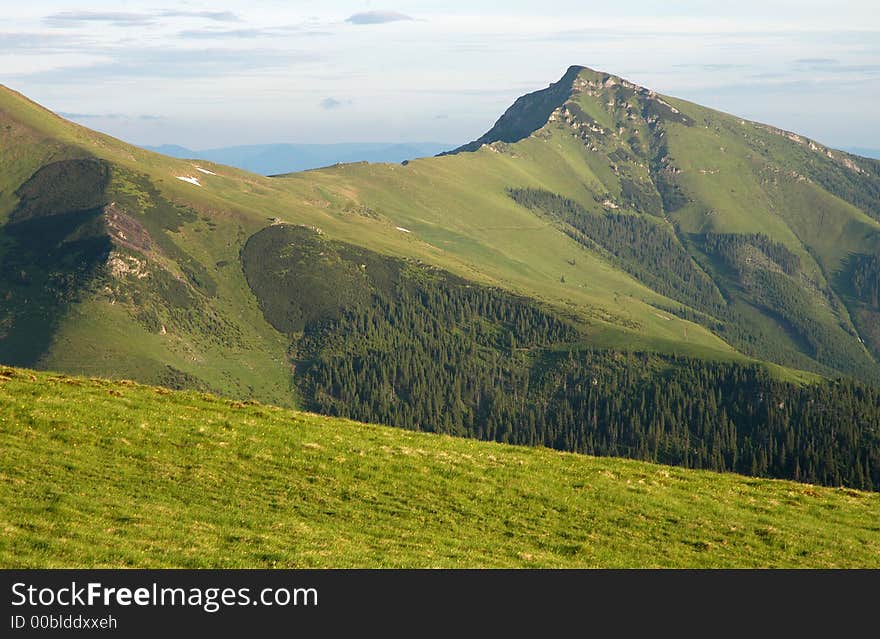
point(113, 474)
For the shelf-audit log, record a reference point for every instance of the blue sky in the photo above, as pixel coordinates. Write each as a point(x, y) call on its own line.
point(206, 74)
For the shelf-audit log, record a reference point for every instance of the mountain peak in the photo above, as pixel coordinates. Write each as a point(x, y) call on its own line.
point(529, 113)
point(532, 111)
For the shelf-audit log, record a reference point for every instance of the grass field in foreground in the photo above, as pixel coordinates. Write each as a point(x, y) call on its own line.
point(114, 474)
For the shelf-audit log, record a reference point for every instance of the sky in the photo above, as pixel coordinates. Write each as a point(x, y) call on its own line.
point(205, 74)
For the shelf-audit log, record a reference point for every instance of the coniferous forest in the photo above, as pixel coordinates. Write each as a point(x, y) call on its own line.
point(417, 348)
point(740, 275)
point(866, 279)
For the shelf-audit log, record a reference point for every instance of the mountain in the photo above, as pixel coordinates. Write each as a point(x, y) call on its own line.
point(94, 470)
point(608, 271)
point(272, 159)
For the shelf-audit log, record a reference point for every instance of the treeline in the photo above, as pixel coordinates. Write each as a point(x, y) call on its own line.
point(824, 341)
point(743, 277)
point(866, 279)
point(662, 173)
point(641, 196)
point(732, 248)
point(421, 349)
point(429, 361)
point(859, 188)
point(805, 310)
point(640, 246)
point(432, 352)
point(426, 359)
point(719, 416)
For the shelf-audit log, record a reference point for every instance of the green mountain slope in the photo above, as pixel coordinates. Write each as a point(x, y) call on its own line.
point(99, 274)
point(589, 275)
point(94, 334)
point(104, 474)
point(617, 150)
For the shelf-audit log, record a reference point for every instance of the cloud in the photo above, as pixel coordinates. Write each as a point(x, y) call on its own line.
point(377, 17)
point(38, 43)
point(109, 116)
point(296, 30)
point(91, 116)
point(712, 67)
point(159, 62)
point(816, 61)
point(226, 33)
point(829, 65)
point(127, 19)
point(216, 16)
point(330, 103)
point(786, 86)
point(117, 18)
point(769, 75)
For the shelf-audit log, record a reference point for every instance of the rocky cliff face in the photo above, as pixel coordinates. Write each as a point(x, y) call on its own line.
point(528, 114)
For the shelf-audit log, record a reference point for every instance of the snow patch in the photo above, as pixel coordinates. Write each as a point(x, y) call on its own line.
point(402, 230)
point(191, 180)
point(205, 171)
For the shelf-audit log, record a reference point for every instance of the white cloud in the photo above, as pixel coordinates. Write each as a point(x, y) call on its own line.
point(116, 18)
point(131, 19)
point(377, 17)
point(331, 103)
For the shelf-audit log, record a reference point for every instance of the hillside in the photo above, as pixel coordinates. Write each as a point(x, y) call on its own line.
point(721, 200)
point(608, 271)
point(115, 474)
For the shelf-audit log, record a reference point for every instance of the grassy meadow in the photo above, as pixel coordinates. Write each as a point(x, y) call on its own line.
point(98, 473)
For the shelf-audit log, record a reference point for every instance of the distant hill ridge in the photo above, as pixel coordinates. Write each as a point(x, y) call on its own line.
point(274, 159)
